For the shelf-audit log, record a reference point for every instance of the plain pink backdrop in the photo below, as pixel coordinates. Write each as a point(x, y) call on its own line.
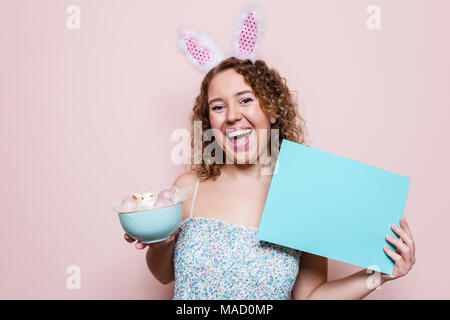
point(86, 118)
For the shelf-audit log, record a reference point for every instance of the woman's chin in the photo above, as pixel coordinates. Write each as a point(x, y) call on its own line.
point(242, 156)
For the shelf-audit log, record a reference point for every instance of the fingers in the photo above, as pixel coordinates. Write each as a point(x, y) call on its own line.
point(163, 243)
point(403, 249)
point(407, 239)
point(406, 236)
point(405, 227)
point(140, 245)
point(394, 256)
point(166, 242)
point(175, 234)
point(129, 238)
point(404, 258)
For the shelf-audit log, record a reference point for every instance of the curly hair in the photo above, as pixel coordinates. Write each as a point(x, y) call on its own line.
point(274, 98)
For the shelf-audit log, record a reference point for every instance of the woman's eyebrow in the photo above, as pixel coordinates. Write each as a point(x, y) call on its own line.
point(236, 95)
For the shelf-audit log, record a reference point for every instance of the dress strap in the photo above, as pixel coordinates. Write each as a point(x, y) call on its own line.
point(193, 197)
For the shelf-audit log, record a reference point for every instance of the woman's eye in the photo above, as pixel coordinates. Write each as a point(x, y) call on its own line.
point(246, 100)
point(217, 108)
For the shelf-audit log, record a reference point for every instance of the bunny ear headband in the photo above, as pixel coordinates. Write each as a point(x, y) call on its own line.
point(204, 54)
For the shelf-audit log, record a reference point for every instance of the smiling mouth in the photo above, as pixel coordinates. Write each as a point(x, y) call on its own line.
point(238, 134)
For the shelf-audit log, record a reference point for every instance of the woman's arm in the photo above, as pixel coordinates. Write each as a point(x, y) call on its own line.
point(160, 262)
point(312, 282)
point(353, 287)
point(358, 285)
point(160, 257)
point(313, 273)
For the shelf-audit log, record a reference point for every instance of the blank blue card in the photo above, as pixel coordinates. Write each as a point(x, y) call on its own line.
point(333, 207)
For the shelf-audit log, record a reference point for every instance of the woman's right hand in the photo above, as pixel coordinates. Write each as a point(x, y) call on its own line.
point(165, 243)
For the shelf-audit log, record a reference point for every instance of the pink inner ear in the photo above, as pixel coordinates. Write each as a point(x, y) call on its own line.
point(247, 37)
point(199, 53)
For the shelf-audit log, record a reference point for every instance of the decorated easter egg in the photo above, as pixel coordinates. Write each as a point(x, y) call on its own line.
point(165, 194)
point(163, 203)
point(128, 204)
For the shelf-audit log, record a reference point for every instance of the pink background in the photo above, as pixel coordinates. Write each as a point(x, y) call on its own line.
point(75, 104)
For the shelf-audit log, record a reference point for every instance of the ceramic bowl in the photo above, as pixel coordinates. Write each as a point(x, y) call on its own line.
point(153, 225)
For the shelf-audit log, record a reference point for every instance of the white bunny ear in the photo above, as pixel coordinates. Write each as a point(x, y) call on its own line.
point(248, 30)
point(200, 49)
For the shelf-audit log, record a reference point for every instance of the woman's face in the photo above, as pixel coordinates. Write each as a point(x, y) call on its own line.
point(233, 106)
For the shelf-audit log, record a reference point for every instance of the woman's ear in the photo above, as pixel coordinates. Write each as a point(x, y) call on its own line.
point(273, 119)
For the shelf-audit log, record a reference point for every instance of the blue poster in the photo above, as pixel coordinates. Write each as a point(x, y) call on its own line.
point(333, 207)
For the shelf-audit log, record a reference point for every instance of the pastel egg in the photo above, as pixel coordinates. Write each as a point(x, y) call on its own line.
point(165, 194)
point(160, 203)
point(128, 204)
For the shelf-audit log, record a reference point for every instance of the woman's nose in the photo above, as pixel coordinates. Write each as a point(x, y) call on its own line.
point(233, 113)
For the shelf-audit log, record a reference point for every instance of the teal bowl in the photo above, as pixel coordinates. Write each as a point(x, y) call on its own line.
point(152, 225)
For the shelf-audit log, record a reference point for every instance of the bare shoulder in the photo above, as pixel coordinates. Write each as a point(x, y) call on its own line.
point(186, 182)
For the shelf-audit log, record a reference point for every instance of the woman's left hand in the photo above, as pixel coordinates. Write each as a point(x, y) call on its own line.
point(404, 257)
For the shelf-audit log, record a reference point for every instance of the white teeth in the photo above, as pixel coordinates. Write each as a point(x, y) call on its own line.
point(238, 133)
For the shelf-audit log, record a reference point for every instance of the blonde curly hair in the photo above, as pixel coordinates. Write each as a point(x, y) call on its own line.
point(274, 97)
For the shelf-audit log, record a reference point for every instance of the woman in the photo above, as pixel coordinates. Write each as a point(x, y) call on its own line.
point(215, 254)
